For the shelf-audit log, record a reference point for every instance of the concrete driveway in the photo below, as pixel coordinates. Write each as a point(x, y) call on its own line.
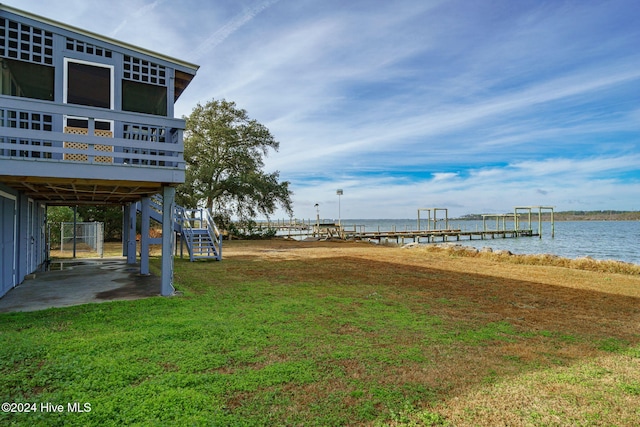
point(77, 282)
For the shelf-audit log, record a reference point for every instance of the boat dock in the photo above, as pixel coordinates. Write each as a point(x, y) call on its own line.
point(433, 236)
point(426, 229)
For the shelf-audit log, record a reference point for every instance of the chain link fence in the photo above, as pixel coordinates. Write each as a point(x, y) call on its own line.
point(82, 237)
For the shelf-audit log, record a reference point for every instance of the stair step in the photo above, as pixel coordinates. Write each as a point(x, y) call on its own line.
point(200, 242)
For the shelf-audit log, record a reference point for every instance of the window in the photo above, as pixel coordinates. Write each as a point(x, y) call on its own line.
point(82, 123)
point(89, 84)
point(24, 79)
point(144, 98)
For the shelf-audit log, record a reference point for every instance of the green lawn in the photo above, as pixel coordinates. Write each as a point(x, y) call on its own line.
point(311, 342)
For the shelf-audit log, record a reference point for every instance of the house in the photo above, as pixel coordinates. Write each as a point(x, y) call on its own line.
point(84, 119)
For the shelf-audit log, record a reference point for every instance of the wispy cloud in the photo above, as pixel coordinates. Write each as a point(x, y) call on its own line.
point(231, 27)
point(475, 106)
point(136, 14)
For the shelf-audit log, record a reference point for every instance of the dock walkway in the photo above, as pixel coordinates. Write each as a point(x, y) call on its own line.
point(433, 236)
point(522, 227)
point(328, 230)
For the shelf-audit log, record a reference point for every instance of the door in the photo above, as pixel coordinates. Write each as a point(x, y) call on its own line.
point(7, 242)
point(31, 237)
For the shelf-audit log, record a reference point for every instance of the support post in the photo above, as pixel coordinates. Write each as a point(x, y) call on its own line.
point(131, 235)
point(144, 236)
point(540, 222)
point(169, 195)
point(181, 245)
point(75, 228)
point(125, 228)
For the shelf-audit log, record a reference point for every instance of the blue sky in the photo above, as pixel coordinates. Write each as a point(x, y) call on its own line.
point(476, 105)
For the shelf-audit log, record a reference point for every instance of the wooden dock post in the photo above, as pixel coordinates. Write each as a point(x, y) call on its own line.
point(432, 234)
point(435, 220)
point(540, 209)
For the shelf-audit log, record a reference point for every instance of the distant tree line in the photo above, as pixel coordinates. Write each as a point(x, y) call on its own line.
point(602, 215)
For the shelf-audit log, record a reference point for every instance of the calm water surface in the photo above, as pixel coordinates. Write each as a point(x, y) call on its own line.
point(605, 240)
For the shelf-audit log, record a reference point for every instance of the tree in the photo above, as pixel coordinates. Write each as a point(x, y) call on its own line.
point(224, 152)
point(111, 216)
point(55, 216)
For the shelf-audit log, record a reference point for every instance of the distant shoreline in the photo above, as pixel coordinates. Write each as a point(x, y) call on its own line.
point(570, 216)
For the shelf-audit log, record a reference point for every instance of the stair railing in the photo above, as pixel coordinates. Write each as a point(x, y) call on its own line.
point(186, 221)
point(214, 232)
point(199, 219)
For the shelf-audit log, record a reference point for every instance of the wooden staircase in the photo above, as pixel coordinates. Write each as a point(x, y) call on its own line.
point(194, 226)
point(199, 232)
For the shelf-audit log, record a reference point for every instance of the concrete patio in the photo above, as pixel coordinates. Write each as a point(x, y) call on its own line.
point(75, 282)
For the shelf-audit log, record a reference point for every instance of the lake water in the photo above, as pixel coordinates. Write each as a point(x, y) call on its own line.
point(604, 240)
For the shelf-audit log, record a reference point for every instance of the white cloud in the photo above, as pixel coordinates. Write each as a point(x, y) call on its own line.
point(471, 105)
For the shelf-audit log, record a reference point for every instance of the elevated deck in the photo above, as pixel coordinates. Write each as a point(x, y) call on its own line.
point(59, 164)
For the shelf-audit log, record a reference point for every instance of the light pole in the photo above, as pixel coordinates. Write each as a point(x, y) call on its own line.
point(317, 206)
point(339, 193)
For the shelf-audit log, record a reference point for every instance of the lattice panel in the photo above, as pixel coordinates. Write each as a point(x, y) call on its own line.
point(76, 146)
point(83, 47)
point(26, 43)
point(78, 157)
point(139, 70)
point(103, 159)
point(26, 120)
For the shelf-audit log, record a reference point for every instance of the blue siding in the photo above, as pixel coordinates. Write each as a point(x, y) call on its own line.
point(7, 242)
point(22, 237)
point(37, 146)
point(151, 141)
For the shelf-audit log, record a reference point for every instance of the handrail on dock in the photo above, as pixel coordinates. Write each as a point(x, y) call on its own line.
point(332, 229)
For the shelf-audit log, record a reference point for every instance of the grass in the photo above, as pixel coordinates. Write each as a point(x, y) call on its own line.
point(583, 263)
point(290, 333)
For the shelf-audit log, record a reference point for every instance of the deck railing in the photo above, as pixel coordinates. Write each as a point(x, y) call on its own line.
point(37, 131)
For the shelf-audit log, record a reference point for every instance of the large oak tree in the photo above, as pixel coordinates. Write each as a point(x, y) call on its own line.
point(224, 151)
